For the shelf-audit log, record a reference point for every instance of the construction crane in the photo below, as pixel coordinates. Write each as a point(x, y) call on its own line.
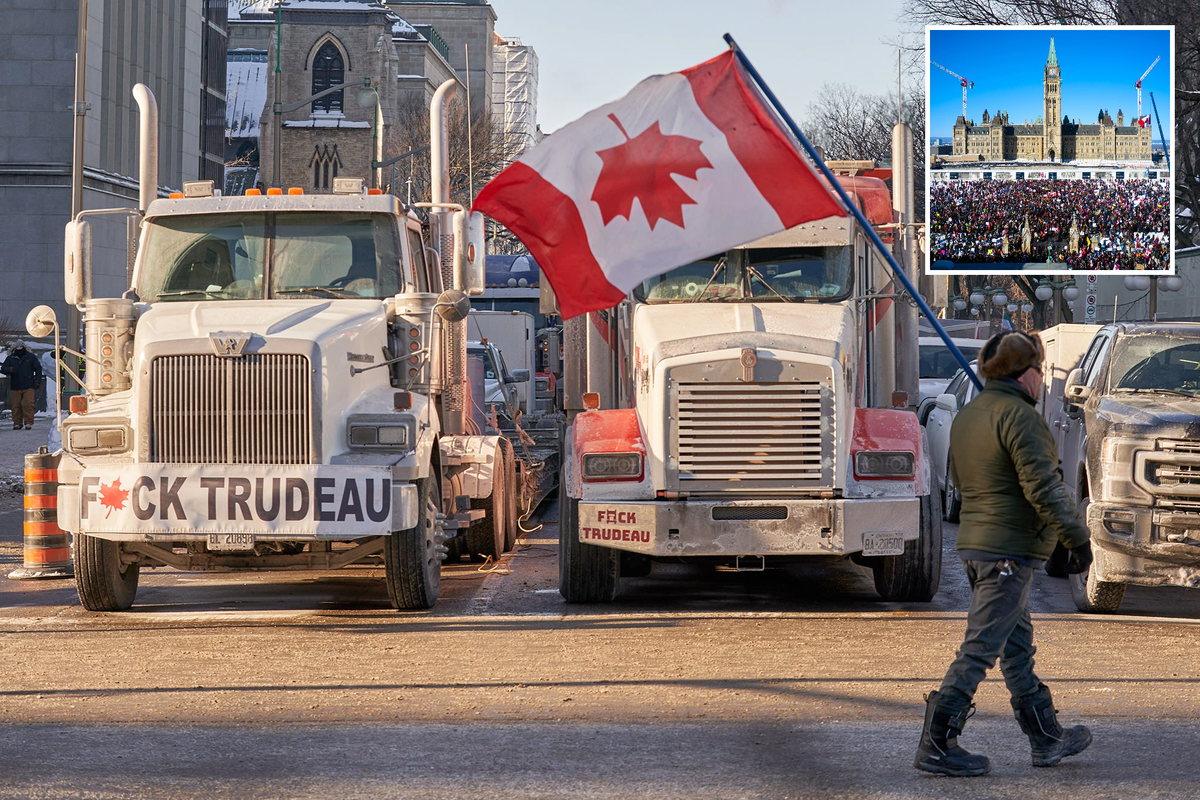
point(966, 84)
point(1139, 85)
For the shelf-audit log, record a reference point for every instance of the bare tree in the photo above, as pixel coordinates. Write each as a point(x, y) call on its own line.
point(848, 124)
point(473, 161)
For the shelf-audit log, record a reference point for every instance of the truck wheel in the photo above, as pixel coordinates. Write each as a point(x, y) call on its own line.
point(586, 573)
point(953, 503)
point(511, 508)
point(104, 584)
point(914, 575)
point(412, 563)
point(485, 537)
point(1094, 596)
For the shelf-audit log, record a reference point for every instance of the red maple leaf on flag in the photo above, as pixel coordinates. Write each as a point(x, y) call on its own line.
point(641, 168)
point(113, 496)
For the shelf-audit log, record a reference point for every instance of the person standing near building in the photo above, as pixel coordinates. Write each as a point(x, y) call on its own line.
point(1015, 507)
point(24, 373)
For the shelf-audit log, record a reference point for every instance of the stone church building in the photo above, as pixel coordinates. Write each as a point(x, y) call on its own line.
point(1053, 136)
point(327, 43)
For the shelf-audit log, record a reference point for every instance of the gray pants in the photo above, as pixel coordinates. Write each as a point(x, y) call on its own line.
point(998, 626)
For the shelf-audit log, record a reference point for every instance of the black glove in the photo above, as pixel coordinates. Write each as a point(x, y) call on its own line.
point(1080, 559)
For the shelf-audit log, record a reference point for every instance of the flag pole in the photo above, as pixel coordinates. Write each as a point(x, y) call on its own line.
point(854, 210)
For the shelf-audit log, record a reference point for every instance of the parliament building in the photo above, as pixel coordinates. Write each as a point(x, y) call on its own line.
point(1048, 138)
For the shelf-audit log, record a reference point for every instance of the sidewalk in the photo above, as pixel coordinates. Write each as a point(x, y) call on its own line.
point(14, 445)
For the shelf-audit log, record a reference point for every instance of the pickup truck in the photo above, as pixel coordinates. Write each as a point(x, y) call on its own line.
point(1128, 430)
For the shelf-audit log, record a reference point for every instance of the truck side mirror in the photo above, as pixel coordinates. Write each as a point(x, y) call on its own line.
point(468, 251)
point(518, 376)
point(947, 402)
point(41, 322)
point(1076, 392)
point(77, 262)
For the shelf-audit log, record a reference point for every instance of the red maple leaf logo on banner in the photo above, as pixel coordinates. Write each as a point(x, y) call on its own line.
point(642, 168)
point(113, 497)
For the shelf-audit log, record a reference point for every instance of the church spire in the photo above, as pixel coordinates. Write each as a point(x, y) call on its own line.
point(1053, 60)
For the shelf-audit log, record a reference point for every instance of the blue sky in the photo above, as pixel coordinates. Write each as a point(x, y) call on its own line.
point(591, 53)
point(1099, 68)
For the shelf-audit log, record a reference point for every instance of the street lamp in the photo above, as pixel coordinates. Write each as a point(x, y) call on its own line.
point(960, 303)
point(367, 96)
point(1071, 291)
point(999, 298)
point(1044, 290)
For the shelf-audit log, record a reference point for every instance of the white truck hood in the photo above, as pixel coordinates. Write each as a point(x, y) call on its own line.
point(825, 329)
point(310, 320)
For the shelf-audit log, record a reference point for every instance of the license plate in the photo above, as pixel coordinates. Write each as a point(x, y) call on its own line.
point(231, 541)
point(882, 544)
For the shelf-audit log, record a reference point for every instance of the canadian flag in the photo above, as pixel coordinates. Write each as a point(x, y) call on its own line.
point(684, 166)
point(1143, 121)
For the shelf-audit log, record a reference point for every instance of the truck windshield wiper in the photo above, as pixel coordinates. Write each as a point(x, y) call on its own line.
point(187, 292)
point(324, 290)
point(1156, 391)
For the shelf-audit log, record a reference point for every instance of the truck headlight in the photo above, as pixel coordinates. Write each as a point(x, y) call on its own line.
point(612, 467)
point(1118, 478)
point(884, 464)
point(97, 440)
point(376, 432)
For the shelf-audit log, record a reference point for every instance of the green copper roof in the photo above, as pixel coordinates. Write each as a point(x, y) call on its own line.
point(1053, 60)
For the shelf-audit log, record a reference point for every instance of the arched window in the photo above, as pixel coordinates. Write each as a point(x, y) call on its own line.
point(328, 69)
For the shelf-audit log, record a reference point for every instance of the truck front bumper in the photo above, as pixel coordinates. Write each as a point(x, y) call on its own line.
point(708, 527)
point(1145, 546)
point(190, 502)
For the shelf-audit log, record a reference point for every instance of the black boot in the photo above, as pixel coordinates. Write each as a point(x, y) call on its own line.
point(1038, 719)
point(939, 750)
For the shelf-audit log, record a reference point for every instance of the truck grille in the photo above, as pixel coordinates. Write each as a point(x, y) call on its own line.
point(762, 432)
point(251, 410)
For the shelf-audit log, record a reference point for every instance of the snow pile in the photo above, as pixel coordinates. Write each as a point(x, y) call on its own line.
point(246, 93)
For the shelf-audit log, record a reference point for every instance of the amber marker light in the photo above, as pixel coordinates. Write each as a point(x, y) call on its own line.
point(79, 404)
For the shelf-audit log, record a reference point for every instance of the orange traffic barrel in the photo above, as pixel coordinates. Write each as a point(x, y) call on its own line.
point(47, 547)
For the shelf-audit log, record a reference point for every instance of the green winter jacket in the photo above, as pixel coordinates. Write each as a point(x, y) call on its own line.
point(1004, 462)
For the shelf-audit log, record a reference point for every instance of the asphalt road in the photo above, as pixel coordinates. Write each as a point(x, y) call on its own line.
point(694, 684)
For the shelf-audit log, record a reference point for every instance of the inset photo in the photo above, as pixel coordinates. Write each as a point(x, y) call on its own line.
point(1050, 149)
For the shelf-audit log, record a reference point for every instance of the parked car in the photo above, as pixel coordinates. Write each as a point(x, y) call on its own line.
point(960, 391)
point(938, 366)
point(1128, 426)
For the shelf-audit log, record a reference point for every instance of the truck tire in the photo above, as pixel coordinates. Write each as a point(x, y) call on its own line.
point(512, 512)
point(914, 576)
point(951, 500)
point(1094, 596)
point(586, 573)
point(102, 582)
point(412, 561)
point(485, 537)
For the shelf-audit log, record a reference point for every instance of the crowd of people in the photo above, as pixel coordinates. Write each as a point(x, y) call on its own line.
point(1119, 224)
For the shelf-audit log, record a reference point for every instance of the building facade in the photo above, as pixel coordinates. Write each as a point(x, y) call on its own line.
point(156, 42)
point(325, 43)
point(1053, 136)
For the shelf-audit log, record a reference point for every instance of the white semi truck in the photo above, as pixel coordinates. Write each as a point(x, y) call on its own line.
point(753, 409)
point(282, 387)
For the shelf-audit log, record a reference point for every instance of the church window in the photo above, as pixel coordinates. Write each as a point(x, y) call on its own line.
point(328, 69)
point(324, 163)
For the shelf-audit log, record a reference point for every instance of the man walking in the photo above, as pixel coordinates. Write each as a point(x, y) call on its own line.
point(24, 372)
point(1015, 507)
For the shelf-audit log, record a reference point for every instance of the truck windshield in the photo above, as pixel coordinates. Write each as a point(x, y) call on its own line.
point(793, 274)
point(285, 254)
point(1155, 363)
